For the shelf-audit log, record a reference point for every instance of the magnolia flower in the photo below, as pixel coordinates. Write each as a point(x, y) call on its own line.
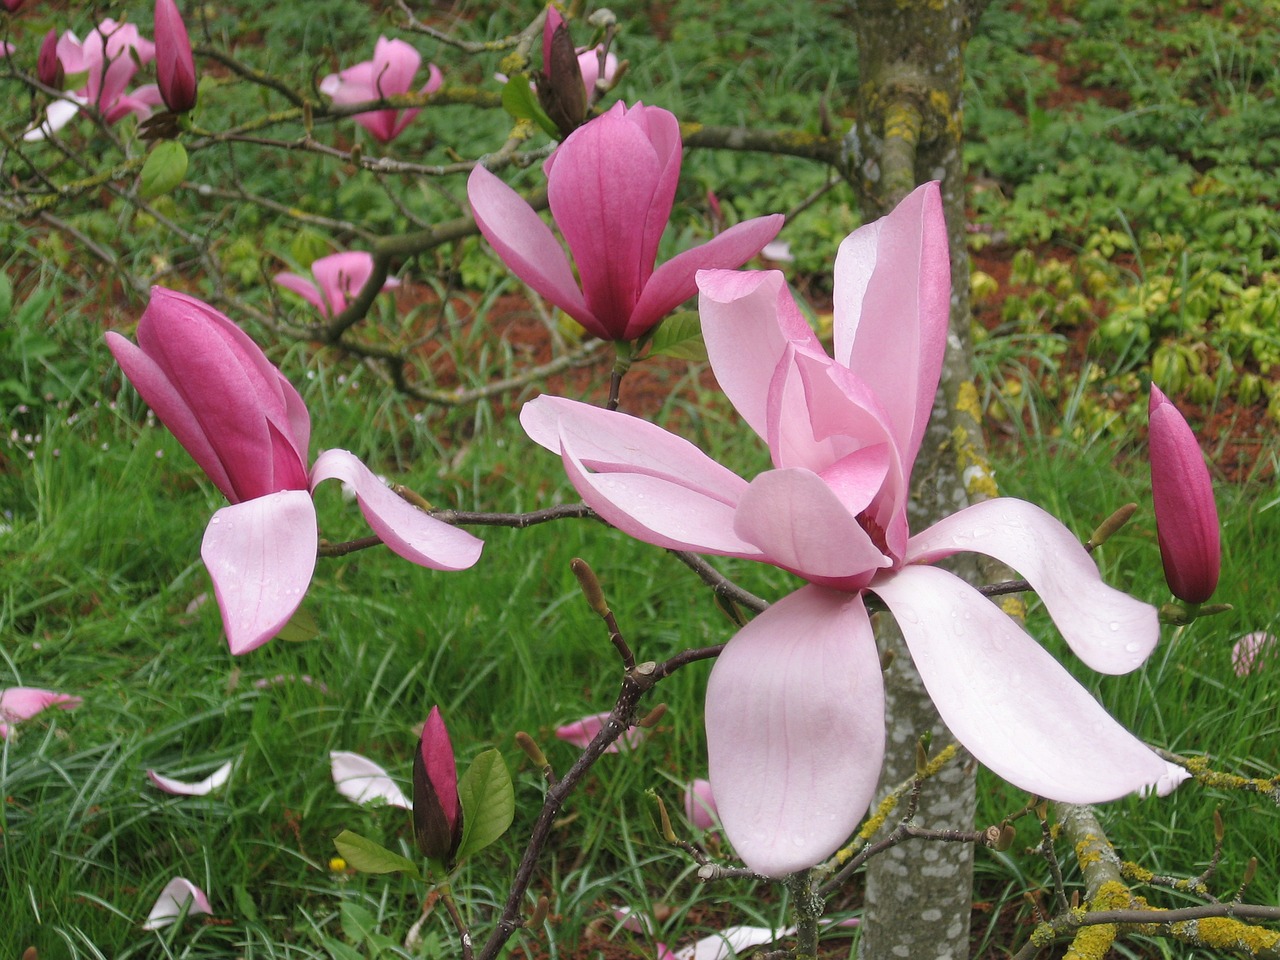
point(1251, 651)
point(437, 808)
point(107, 59)
point(197, 788)
point(388, 74)
point(246, 427)
point(178, 895)
point(175, 67)
point(23, 703)
point(580, 733)
point(338, 278)
point(1186, 516)
point(700, 805)
point(362, 781)
point(611, 184)
point(795, 703)
point(48, 67)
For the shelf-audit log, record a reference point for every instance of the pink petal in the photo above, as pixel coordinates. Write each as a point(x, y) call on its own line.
point(410, 533)
point(57, 115)
point(341, 276)
point(580, 733)
point(649, 483)
point(527, 246)
point(674, 282)
point(261, 555)
point(731, 941)
point(197, 788)
point(700, 805)
point(1186, 515)
point(394, 64)
point(304, 288)
point(799, 524)
point(23, 703)
point(1252, 651)
point(1108, 629)
point(352, 85)
point(795, 729)
point(362, 781)
point(892, 309)
point(178, 894)
point(1009, 702)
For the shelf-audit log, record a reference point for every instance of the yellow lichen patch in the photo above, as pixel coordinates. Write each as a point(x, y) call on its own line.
point(968, 402)
point(1087, 851)
point(942, 759)
point(877, 819)
point(1015, 607)
point(1131, 871)
point(1227, 934)
point(1112, 895)
point(1092, 943)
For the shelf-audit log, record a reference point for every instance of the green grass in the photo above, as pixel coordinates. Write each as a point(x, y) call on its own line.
point(100, 582)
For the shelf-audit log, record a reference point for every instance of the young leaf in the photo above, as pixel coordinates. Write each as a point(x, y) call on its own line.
point(301, 627)
point(680, 336)
point(519, 101)
point(488, 802)
point(369, 857)
point(165, 168)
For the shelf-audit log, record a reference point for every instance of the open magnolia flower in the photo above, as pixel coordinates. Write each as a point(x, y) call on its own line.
point(246, 427)
point(610, 184)
point(795, 703)
point(339, 277)
point(391, 72)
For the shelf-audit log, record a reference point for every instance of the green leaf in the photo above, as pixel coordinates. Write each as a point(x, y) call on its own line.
point(301, 627)
point(519, 100)
point(488, 802)
point(6, 297)
point(358, 924)
point(245, 904)
point(164, 170)
point(680, 336)
point(369, 857)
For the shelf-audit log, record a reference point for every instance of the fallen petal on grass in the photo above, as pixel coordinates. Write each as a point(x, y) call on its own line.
point(362, 781)
point(198, 788)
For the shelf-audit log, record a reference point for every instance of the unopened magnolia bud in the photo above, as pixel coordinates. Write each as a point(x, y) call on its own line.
point(1008, 833)
point(886, 660)
point(48, 66)
point(1042, 810)
point(308, 117)
point(1075, 899)
point(1250, 869)
point(668, 834)
point(540, 911)
point(922, 758)
point(531, 749)
point(651, 719)
point(560, 89)
point(1219, 828)
point(437, 809)
point(590, 586)
point(1109, 526)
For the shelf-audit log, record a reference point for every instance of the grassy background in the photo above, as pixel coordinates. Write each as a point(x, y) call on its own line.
point(1114, 157)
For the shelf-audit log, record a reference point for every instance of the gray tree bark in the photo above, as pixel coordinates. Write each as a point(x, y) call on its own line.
point(909, 130)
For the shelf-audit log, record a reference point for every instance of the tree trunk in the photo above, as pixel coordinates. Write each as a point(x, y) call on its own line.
point(909, 129)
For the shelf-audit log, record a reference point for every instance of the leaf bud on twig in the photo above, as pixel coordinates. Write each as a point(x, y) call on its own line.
point(1109, 526)
point(590, 586)
point(531, 750)
point(652, 718)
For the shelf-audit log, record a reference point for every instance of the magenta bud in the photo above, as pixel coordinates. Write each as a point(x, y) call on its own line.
point(175, 67)
point(48, 66)
point(12, 5)
point(1186, 515)
point(437, 810)
point(560, 88)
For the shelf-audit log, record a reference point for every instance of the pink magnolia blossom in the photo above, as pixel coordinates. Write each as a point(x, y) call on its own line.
point(611, 185)
point(700, 805)
point(1252, 651)
point(107, 59)
point(6, 48)
point(390, 73)
point(23, 703)
point(246, 427)
point(179, 894)
point(1186, 516)
point(338, 278)
point(175, 67)
point(795, 703)
point(437, 808)
point(580, 733)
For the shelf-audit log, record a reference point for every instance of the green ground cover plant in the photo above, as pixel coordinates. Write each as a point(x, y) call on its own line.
point(1124, 230)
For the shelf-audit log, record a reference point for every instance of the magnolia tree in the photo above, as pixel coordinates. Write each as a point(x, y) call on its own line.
point(795, 705)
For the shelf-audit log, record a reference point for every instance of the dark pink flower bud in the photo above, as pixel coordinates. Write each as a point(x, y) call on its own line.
point(560, 89)
point(175, 67)
point(1186, 516)
point(437, 810)
point(48, 66)
point(12, 5)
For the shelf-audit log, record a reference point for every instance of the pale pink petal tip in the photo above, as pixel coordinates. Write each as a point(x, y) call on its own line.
point(1173, 776)
point(362, 781)
point(700, 805)
point(178, 894)
point(1252, 651)
point(23, 703)
point(198, 788)
point(580, 733)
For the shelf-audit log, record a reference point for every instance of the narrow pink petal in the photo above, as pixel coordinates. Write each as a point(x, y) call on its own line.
point(1009, 702)
point(748, 320)
point(352, 85)
point(410, 533)
point(798, 523)
point(1108, 629)
point(23, 703)
point(362, 781)
point(527, 246)
point(435, 79)
point(892, 309)
point(394, 64)
point(260, 554)
point(602, 190)
point(580, 733)
point(674, 282)
point(341, 276)
point(140, 102)
point(198, 788)
point(795, 729)
point(304, 288)
point(662, 130)
point(380, 123)
point(700, 805)
point(178, 894)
